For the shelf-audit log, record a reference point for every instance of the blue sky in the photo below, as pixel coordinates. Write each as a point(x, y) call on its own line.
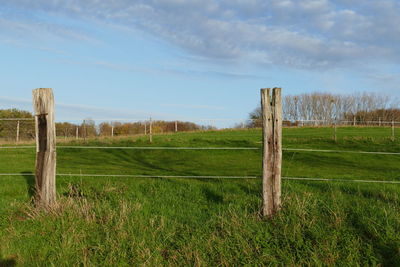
point(198, 59)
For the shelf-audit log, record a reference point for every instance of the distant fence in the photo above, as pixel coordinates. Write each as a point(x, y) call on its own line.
point(23, 129)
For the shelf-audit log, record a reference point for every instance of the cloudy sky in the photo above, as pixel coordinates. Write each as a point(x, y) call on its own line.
point(193, 58)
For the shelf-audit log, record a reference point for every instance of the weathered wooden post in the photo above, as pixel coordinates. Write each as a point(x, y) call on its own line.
point(77, 132)
point(151, 131)
point(335, 132)
point(393, 132)
point(354, 121)
point(176, 126)
point(145, 128)
point(17, 132)
point(112, 130)
point(45, 184)
point(84, 130)
point(272, 150)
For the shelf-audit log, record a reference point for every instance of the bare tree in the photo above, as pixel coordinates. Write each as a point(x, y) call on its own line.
point(326, 108)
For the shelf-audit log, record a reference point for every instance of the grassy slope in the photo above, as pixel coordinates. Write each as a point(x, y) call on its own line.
point(122, 221)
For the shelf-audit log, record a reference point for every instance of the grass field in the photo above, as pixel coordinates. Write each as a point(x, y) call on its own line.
point(119, 221)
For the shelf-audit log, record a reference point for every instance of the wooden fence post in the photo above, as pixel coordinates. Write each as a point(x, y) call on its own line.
point(112, 130)
point(45, 184)
point(278, 122)
point(151, 131)
point(17, 132)
point(84, 130)
point(176, 126)
point(393, 132)
point(77, 132)
point(145, 128)
point(272, 150)
point(335, 132)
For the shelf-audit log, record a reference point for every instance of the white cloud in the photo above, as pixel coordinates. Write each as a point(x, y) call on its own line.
point(300, 34)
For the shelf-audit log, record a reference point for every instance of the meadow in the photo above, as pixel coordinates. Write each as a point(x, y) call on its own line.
point(126, 221)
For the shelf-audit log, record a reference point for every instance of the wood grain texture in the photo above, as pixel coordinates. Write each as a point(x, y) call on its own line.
point(151, 131)
point(271, 107)
point(335, 132)
point(393, 132)
point(17, 139)
point(277, 150)
point(45, 184)
point(267, 204)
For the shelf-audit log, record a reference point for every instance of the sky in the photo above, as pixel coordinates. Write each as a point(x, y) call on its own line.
point(197, 60)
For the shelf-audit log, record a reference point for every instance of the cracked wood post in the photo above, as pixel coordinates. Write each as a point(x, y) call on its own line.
point(334, 132)
point(45, 178)
point(84, 130)
point(393, 132)
point(151, 131)
point(277, 164)
point(272, 150)
point(17, 132)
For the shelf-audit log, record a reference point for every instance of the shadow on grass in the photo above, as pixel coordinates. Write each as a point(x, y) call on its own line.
point(212, 196)
point(364, 191)
point(7, 262)
point(386, 249)
point(30, 181)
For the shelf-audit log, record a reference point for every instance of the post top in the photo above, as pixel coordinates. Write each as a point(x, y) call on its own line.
point(273, 88)
point(42, 89)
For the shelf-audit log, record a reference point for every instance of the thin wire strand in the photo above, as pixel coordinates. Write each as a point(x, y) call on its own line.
point(206, 148)
point(205, 177)
point(340, 180)
point(17, 119)
point(163, 176)
point(340, 151)
point(162, 148)
point(16, 147)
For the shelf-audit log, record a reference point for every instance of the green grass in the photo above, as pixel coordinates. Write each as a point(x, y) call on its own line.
point(117, 221)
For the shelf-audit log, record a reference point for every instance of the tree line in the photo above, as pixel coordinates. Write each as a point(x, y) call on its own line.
point(87, 128)
point(8, 128)
point(326, 108)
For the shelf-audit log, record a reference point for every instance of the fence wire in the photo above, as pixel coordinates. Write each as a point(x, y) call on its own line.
point(208, 148)
point(29, 126)
point(218, 177)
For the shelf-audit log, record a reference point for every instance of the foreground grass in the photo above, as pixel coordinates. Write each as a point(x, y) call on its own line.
point(129, 222)
point(189, 222)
